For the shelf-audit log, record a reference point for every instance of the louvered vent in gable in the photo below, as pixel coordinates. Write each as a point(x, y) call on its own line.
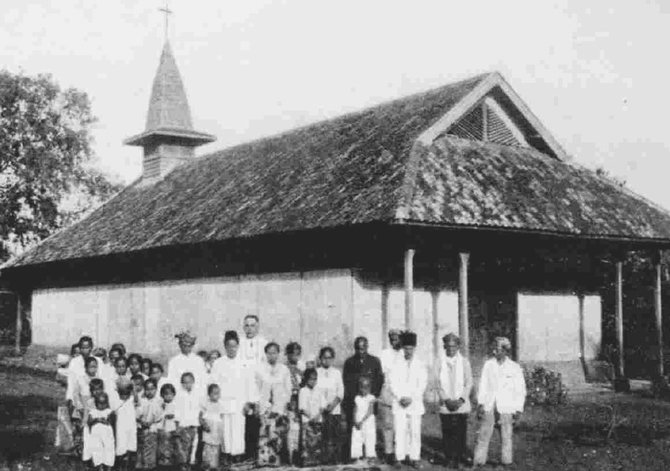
point(487, 121)
point(471, 126)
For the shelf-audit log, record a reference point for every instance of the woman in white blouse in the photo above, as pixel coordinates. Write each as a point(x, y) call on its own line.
point(330, 384)
point(274, 384)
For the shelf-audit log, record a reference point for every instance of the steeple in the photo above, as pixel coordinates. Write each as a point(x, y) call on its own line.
point(169, 138)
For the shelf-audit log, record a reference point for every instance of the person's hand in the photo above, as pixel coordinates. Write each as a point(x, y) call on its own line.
point(405, 401)
point(169, 416)
point(480, 411)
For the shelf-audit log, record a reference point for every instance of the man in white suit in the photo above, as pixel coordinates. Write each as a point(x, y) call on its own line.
point(408, 379)
point(502, 390)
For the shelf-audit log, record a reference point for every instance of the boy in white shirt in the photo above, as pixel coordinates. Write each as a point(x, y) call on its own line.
point(502, 388)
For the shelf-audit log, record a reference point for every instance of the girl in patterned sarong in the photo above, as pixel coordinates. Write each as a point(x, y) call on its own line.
point(293, 352)
point(312, 403)
point(149, 416)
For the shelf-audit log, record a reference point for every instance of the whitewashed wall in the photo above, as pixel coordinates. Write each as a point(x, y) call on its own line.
point(549, 326)
point(315, 308)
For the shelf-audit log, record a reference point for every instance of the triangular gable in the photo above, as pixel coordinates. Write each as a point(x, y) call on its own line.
point(494, 112)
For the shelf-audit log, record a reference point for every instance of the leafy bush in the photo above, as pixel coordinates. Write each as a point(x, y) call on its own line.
point(545, 387)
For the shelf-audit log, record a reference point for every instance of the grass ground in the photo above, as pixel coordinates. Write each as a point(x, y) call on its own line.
point(573, 436)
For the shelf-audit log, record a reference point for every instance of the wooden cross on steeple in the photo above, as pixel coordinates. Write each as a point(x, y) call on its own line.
point(166, 10)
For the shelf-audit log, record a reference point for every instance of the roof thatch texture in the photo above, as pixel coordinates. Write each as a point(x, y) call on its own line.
point(359, 168)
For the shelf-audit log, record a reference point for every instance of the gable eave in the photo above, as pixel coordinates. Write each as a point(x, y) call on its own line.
point(468, 102)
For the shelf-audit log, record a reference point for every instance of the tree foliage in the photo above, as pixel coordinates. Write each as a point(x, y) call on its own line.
point(46, 173)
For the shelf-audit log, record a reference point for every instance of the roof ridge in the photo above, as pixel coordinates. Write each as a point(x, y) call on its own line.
point(347, 115)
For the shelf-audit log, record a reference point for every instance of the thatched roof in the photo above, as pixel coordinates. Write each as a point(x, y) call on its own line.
point(372, 166)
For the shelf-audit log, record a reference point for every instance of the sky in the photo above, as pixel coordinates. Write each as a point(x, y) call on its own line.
point(595, 72)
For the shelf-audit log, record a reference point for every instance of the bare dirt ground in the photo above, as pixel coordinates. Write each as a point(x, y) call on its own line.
point(598, 431)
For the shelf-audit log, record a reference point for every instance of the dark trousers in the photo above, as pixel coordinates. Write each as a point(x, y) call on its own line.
point(454, 433)
point(252, 428)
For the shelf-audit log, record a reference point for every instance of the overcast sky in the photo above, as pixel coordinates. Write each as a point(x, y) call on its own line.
point(596, 72)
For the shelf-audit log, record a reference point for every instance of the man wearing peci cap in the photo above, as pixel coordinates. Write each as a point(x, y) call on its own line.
point(408, 380)
point(502, 390)
point(388, 357)
point(185, 361)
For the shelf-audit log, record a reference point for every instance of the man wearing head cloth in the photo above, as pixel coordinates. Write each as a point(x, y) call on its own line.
point(502, 389)
point(185, 361)
point(408, 380)
point(388, 358)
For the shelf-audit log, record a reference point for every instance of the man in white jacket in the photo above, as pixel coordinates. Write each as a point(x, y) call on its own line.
point(408, 377)
point(455, 377)
point(502, 389)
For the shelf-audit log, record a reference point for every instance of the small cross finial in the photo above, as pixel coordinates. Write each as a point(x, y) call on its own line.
point(166, 10)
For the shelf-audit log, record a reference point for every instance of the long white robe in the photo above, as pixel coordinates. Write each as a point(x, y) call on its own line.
point(408, 379)
point(238, 387)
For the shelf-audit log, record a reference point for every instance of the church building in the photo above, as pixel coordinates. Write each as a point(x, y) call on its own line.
point(454, 209)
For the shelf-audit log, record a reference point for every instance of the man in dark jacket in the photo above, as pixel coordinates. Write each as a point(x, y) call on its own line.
point(359, 364)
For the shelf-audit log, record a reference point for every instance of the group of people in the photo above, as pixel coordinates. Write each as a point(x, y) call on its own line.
point(215, 409)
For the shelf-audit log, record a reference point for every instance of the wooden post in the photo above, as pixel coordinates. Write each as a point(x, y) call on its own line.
point(409, 288)
point(582, 342)
point(659, 313)
point(463, 320)
point(19, 326)
point(618, 299)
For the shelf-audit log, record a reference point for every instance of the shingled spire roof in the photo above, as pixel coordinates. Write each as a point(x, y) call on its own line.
point(169, 113)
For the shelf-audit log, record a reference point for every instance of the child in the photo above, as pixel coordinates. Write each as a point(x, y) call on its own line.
point(114, 354)
point(75, 350)
point(121, 370)
point(100, 436)
point(135, 365)
point(138, 387)
point(126, 428)
point(363, 433)
point(95, 389)
point(149, 416)
point(211, 418)
point(81, 389)
point(105, 370)
point(312, 403)
point(187, 412)
point(167, 427)
point(157, 375)
point(146, 367)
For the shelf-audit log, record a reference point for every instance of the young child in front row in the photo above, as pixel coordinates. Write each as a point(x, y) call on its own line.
point(149, 415)
point(126, 426)
point(167, 428)
point(100, 440)
point(312, 403)
point(187, 414)
point(364, 431)
point(96, 388)
point(211, 420)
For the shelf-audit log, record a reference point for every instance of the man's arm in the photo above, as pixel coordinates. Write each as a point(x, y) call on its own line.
point(378, 376)
point(467, 382)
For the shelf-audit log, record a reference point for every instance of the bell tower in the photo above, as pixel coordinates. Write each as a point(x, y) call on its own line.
point(169, 138)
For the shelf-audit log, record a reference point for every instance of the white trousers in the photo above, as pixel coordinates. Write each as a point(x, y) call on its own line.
point(407, 436)
point(233, 434)
point(366, 436)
